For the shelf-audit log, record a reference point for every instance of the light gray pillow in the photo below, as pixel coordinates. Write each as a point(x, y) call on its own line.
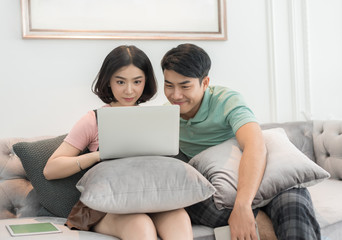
point(142, 185)
point(286, 168)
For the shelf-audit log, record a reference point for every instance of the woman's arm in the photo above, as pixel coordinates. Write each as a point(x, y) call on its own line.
point(66, 161)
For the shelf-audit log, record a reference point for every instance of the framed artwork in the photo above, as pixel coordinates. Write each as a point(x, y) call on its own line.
point(125, 19)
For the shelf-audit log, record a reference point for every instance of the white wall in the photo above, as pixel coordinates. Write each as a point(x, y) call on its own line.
point(325, 18)
point(284, 56)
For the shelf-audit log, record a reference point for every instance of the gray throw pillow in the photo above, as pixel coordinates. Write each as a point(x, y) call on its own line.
point(57, 196)
point(286, 168)
point(143, 185)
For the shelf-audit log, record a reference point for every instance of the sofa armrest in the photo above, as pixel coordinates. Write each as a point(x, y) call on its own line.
point(17, 197)
point(10, 164)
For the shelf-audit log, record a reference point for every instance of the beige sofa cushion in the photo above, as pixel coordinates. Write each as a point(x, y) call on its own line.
point(326, 198)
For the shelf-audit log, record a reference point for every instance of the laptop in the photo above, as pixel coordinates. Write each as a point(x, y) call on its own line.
point(138, 131)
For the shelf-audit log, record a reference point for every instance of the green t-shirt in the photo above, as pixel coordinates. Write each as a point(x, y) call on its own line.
point(221, 114)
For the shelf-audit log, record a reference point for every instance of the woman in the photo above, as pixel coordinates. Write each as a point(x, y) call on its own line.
point(126, 78)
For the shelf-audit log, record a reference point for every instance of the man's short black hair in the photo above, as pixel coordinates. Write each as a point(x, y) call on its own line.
point(188, 60)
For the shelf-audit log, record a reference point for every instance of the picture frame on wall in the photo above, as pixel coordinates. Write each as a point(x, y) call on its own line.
point(125, 19)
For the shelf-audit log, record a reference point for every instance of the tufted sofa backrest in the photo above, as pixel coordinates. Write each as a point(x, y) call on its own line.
point(327, 138)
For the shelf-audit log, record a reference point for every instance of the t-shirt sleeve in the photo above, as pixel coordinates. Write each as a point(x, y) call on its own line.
point(84, 133)
point(238, 113)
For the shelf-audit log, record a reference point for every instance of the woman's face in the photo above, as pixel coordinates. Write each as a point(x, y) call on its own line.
point(127, 85)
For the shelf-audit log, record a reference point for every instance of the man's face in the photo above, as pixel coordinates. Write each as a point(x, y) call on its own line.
point(184, 91)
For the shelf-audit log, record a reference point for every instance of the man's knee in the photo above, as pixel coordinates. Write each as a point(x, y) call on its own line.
point(296, 200)
point(293, 216)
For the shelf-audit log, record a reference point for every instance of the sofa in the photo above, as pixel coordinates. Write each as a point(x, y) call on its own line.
point(320, 141)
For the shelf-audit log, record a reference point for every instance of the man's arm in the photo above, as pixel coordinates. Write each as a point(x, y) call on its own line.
point(251, 170)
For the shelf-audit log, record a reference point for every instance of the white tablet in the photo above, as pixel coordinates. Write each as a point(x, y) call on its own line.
point(32, 229)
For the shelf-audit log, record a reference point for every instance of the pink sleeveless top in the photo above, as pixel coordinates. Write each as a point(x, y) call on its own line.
point(84, 134)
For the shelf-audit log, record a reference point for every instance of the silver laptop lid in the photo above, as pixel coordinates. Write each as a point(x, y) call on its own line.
point(138, 131)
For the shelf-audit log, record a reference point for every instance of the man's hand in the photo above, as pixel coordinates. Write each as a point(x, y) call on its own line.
point(251, 170)
point(242, 223)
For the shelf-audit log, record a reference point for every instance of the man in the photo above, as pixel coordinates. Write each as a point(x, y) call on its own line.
point(209, 116)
